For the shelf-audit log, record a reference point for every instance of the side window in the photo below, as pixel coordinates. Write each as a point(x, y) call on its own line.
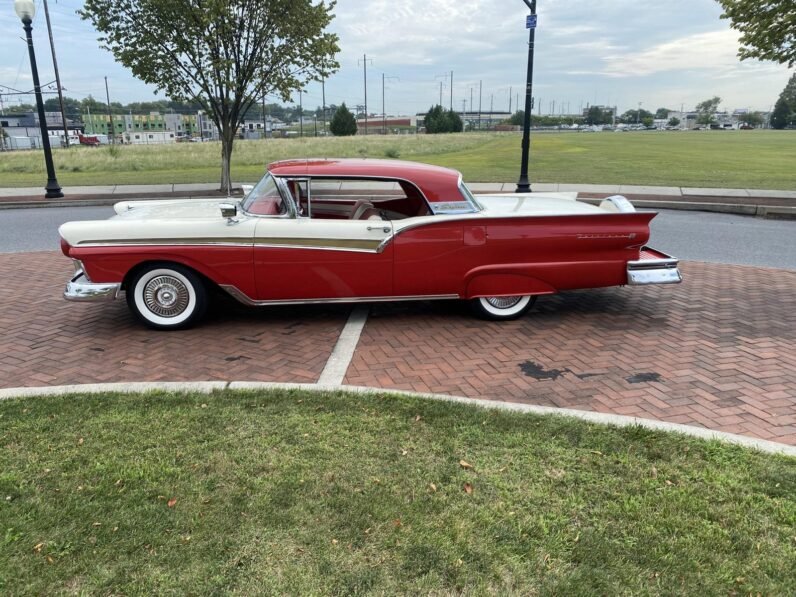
point(365, 199)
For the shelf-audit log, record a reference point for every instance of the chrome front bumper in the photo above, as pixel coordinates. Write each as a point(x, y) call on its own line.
point(654, 267)
point(80, 289)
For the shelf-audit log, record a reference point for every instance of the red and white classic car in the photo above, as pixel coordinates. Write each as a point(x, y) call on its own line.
point(348, 230)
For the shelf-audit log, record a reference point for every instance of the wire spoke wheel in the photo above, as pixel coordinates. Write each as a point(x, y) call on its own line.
point(166, 296)
point(502, 307)
point(503, 302)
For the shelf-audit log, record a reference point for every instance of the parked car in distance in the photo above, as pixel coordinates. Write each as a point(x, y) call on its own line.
point(349, 230)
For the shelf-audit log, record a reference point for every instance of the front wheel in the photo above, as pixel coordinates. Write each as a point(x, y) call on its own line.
point(502, 308)
point(167, 297)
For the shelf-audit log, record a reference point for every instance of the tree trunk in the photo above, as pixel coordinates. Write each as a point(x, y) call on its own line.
point(227, 138)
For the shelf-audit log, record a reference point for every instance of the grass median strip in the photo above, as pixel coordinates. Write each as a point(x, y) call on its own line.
point(305, 493)
point(736, 159)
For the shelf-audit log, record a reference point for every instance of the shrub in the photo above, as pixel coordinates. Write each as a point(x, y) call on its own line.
point(343, 123)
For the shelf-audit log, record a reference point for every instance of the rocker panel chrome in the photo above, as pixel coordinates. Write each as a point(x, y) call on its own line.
point(243, 298)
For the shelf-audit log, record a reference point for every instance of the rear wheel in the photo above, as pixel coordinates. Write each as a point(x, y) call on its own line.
point(502, 307)
point(167, 297)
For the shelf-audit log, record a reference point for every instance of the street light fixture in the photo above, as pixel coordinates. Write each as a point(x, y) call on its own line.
point(523, 185)
point(26, 10)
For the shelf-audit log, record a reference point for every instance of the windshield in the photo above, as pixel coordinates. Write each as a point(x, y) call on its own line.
point(264, 199)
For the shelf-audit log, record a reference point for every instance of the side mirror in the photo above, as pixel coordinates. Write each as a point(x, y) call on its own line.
point(228, 210)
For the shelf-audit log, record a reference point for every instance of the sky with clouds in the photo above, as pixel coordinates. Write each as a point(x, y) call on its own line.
point(611, 52)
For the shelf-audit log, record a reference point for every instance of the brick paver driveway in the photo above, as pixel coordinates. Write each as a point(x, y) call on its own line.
point(717, 351)
point(45, 340)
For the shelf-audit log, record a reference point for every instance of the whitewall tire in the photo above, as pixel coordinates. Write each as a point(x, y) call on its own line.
point(502, 307)
point(167, 297)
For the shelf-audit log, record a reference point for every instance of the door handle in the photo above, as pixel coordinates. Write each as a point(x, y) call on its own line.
point(382, 228)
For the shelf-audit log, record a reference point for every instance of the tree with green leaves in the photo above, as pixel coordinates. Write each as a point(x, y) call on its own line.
point(662, 113)
point(454, 122)
point(706, 111)
point(440, 120)
point(434, 120)
point(751, 118)
point(780, 117)
point(224, 54)
point(596, 115)
point(343, 123)
point(768, 28)
point(673, 121)
point(635, 116)
point(518, 118)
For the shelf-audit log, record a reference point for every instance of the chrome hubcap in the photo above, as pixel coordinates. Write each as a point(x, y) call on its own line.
point(503, 302)
point(166, 296)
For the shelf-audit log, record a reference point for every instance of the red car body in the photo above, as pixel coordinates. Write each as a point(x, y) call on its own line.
point(421, 235)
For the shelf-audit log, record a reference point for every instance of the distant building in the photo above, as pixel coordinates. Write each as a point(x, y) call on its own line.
point(149, 137)
point(26, 126)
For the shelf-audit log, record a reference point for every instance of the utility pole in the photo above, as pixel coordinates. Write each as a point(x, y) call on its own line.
point(440, 93)
point(523, 184)
point(479, 104)
point(491, 105)
point(110, 115)
point(57, 76)
point(323, 99)
point(265, 125)
point(510, 91)
point(383, 109)
point(451, 108)
point(301, 114)
point(365, 73)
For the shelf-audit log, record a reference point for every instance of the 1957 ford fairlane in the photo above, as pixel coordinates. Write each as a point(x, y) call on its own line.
point(347, 230)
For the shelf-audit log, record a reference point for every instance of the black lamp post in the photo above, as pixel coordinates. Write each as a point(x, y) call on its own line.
point(25, 10)
point(523, 185)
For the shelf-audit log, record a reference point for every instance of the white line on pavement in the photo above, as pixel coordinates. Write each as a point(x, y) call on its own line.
point(337, 365)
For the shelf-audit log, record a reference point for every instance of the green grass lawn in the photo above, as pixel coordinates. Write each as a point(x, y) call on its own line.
point(318, 493)
point(739, 159)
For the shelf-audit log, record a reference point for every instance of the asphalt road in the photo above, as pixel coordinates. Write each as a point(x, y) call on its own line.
point(689, 235)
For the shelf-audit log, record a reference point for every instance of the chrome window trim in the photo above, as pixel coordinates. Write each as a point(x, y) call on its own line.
point(246, 300)
point(291, 210)
point(312, 177)
point(468, 195)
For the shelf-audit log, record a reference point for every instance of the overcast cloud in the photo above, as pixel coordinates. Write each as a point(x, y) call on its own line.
point(612, 52)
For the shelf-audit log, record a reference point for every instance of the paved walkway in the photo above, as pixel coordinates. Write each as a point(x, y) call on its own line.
point(718, 351)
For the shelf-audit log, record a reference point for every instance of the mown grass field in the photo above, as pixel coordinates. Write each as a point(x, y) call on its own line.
point(737, 159)
point(319, 493)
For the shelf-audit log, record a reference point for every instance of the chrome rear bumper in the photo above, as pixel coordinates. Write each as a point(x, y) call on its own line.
point(80, 289)
point(654, 267)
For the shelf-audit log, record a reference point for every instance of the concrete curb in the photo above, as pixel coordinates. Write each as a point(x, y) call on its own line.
point(208, 387)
